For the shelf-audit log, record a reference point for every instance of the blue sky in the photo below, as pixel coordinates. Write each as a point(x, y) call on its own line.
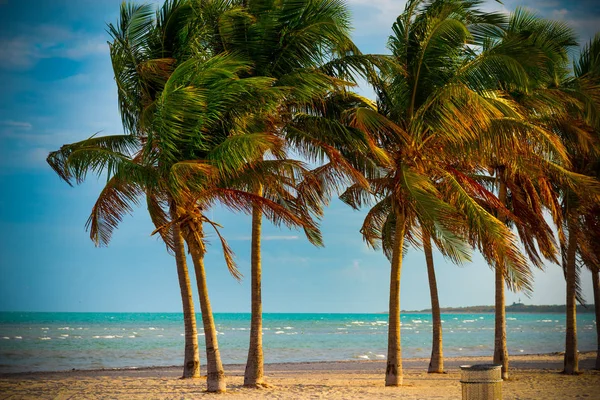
point(58, 88)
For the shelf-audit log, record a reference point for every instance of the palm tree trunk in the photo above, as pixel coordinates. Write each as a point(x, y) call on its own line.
point(191, 361)
point(215, 374)
point(500, 349)
point(393, 371)
point(571, 360)
point(254, 374)
point(596, 285)
point(436, 364)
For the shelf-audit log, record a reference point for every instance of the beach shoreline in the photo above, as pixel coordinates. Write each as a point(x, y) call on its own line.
point(532, 376)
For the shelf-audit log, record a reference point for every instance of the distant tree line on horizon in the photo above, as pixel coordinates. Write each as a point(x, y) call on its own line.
point(483, 136)
point(519, 308)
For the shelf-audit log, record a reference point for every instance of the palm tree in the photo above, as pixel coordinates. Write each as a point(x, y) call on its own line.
point(565, 105)
point(525, 178)
point(298, 43)
point(206, 152)
point(135, 45)
point(579, 127)
point(437, 102)
point(436, 363)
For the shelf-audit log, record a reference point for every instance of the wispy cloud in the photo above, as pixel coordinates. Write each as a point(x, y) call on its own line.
point(268, 237)
point(280, 237)
point(23, 51)
point(16, 124)
point(375, 17)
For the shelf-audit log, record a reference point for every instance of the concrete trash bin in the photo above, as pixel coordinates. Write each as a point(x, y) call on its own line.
point(481, 382)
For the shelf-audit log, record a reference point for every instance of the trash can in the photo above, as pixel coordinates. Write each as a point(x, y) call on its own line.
point(481, 382)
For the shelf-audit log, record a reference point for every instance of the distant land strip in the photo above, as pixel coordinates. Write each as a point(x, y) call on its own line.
point(520, 308)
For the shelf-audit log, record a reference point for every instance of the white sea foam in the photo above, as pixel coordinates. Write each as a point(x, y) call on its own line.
point(64, 335)
point(380, 355)
point(279, 332)
point(151, 329)
point(159, 335)
point(44, 329)
point(363, 356)
point(131, 336)
point(45, 338)
point(545, 320)
point(511, 319)
point(345, 329)
point(417, 321)
point(468, 320)
point(288, 328)
point(5, 337)
point(18, 337)
point(66, 328)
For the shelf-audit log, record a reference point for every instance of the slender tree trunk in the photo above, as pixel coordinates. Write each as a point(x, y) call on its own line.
point(254, 375)
point(215, 374)
point(436, 364)
point(500, 349)
point(191, 362)
point(571, 361)
point(393, 371)
point(596, 284)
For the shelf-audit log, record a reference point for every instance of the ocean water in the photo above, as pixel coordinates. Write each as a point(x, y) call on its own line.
point(62, 341)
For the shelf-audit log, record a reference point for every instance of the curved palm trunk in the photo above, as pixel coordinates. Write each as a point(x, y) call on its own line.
point(191, 362)
point(571, 360)
point(436, 364)
point(596, 285)
point(500, 349)
point(393, 370)
point(254, 374)
point(215, 374)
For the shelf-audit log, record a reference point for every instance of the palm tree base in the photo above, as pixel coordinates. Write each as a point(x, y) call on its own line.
point(571, 372)
point(193, 377)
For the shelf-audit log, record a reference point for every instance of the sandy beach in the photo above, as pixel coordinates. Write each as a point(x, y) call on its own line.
point(532, 377)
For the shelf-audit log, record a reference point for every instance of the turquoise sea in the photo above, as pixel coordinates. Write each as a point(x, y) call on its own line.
point(63, 341)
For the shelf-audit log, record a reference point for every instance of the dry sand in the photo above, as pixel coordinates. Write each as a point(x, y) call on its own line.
point(532, 377)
